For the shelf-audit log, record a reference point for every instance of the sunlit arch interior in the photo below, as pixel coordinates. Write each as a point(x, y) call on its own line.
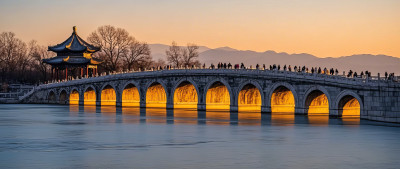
point(52, 96)
point(249, 98)
point(130, 96)
point(156, 96)
point(349, 106)
point(89, 97)
point(63, 97)
point(218, 97)
point(108, 96)
point(74, 97)
point(185, 96)
point(282, 100)
point(317, 103)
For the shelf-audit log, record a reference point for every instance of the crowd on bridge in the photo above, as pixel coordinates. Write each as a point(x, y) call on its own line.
point(277, 67)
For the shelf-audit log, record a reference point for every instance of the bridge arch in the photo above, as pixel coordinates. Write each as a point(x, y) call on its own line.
point(51, 96)
point(156, 94)
point(108, 96)
point(74, 96)
point(287, 94)
point(317, 100)
point(183, 99)
point(130, 94)
point(63, 97)
point(90, 95)
point(222, 92)
point(349, 103)
point(250, 96)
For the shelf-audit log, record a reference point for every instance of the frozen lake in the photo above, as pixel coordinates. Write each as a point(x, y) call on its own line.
point(56, 136)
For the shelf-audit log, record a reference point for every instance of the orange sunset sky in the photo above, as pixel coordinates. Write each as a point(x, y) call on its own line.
point(324, 28)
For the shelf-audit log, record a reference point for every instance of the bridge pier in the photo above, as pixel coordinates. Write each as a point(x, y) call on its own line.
point(98, 103)
point(118, 104)
point(300, 111)
point(170, 106)
point(234, 108)
point(201, 107)
point(265, 109)
point(142, 104)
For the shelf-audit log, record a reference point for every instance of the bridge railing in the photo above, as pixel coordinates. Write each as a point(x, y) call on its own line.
point(362, 79)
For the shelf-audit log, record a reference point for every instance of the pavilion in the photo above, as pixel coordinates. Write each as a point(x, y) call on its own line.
point(73, 54)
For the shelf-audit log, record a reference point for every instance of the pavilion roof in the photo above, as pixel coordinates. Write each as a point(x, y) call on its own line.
point(72, 60)
point(74, 44)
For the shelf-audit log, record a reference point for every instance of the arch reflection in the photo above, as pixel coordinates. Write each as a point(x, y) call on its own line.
point(108, 96)
point(74, 97)
point(249, 98)
point(89, 97)
point(185, 96)
point(349, 106)
point(218, 97)
point(317, 103)
point(156, 96)
point(130, 96)
point(282, 100)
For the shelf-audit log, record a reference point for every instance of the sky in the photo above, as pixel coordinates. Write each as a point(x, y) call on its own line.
point(324, 28)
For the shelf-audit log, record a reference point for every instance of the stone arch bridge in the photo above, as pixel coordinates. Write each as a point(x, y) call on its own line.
point(232, 88)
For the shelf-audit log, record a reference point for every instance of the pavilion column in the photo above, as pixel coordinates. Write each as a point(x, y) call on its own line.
point(87, 71)
point(66, 73)
point(81, 72)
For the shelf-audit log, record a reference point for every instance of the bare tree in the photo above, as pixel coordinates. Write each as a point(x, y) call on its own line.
point(137, 55)
point(174, 54)
point(12, 53)
point(183, 56)
point(114, 43)
point(190, 54)
point(159, 63)
point(37, 53)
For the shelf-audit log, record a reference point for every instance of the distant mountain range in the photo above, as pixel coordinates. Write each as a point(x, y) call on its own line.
point(360, 62)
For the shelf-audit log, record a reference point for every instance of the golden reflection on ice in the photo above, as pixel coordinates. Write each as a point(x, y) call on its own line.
point(249, 118)
point(156, 96)
point(317, 103)
point(217, 117)
point(89, 108)
point(185, 96)
point(282, 118)
point(74, 97)
point(249, 98)
point(89, 97)
point(185, 116)
point(351, 120)
point(130, 96)
point(282, 100)
point(318, 119)
point(108, 96)
point(156, 115)
point(217, 97)
point(74, 108)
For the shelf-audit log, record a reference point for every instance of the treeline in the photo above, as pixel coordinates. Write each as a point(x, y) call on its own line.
point(21, 62)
